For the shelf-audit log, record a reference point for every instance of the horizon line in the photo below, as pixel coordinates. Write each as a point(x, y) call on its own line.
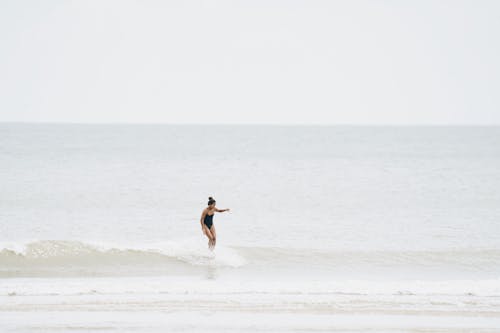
point(256, 124)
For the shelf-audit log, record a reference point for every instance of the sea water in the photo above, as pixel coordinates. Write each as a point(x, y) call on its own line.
point(324, 222)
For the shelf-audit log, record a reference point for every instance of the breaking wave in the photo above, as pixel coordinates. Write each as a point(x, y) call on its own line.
point(68, 257)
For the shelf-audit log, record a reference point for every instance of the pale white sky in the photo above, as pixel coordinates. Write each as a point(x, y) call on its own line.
point(315, 62)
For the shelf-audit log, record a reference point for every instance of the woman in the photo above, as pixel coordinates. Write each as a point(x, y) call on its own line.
point(207, 221)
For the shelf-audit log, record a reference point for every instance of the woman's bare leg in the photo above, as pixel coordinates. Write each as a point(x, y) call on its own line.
point(210, 237)
point(214, 235)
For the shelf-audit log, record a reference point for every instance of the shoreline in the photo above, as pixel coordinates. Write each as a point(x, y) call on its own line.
point(149, 304)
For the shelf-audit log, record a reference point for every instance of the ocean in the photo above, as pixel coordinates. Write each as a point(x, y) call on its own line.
point(330, 228)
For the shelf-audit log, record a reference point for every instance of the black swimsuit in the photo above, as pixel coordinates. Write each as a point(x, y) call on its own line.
point(208, 220)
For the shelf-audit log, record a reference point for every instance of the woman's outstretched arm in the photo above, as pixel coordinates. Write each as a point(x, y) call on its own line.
point(221, 210)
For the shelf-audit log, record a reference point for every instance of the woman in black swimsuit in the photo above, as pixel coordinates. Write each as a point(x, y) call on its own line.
point(207, 221)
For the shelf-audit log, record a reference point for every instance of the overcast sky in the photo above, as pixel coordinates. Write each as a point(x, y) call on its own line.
point(315, 62)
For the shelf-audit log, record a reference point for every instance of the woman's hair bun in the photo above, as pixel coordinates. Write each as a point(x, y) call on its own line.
point(210, 198)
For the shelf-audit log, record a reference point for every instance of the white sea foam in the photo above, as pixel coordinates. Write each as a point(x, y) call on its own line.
point(254, 285)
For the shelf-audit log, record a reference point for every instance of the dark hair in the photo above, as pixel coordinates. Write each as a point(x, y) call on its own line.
point(211, 200)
